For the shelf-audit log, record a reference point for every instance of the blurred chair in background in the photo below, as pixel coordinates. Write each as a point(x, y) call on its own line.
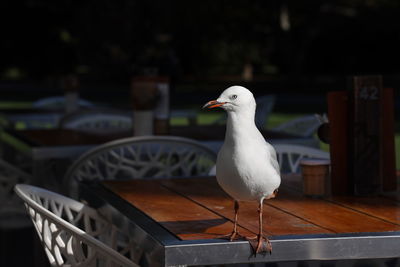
point(304, 126)
point(141, 157)
point(58, 102)
point(45, 114)
point(99, 121)
point(289, 156)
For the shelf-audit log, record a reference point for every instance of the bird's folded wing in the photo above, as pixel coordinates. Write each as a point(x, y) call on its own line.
point(273, 157)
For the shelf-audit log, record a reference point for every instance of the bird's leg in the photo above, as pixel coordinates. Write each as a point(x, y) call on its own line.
point(235, 233)
point(261, 243)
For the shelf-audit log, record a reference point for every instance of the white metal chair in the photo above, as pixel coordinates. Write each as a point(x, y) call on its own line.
point(12, 213)
point(58, 221)
point(303, 126)
point(265, 104)
point(289, 156)
point(100, 121)
point(141, 157)
point(56, 102)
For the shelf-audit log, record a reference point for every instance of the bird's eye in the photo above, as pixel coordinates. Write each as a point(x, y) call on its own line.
point(233, 97)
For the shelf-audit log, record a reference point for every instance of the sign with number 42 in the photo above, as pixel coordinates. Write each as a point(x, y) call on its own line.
point(369, 93)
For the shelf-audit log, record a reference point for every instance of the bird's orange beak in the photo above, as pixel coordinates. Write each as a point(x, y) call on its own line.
point(213, 104)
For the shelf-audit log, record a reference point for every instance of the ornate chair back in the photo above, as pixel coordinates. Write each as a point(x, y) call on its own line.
point(141, 157)
point(71, 231)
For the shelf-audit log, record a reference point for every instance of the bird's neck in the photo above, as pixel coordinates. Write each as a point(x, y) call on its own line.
point(240, 125)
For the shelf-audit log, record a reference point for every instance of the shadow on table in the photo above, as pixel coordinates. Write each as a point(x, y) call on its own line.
point(197, 229)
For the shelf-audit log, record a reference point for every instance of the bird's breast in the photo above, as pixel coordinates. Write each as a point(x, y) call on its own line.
point(245, 174)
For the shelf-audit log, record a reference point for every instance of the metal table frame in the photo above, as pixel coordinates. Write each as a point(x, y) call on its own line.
point(162, 248)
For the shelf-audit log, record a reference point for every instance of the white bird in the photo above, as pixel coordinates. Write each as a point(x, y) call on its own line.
point(247, 167)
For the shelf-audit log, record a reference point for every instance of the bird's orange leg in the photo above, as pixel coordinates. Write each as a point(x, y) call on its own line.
point(260, 244)
point(235, 233)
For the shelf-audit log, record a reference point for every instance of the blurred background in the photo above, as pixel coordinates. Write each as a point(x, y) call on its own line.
point(296, 51)
point(283, 47)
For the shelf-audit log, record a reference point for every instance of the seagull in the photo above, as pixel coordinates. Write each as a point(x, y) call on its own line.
point(247, 167)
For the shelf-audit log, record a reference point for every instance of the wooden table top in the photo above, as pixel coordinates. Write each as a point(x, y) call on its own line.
point(62, 137)
point(66, 137)
point(194, 209)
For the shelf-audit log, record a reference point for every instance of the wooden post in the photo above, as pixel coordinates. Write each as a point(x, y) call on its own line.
point(365, 149)
point(341, 181)
point(388, 153)
point(373, 152)
point(361, 131)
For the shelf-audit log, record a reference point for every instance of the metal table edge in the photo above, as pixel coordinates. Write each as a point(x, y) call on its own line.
point(286, 248)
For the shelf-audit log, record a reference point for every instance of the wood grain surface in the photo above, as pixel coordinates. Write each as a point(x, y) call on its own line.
point(197, 208)
point(178, 214)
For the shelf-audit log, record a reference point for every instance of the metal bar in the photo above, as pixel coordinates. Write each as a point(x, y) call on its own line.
point(368, 246)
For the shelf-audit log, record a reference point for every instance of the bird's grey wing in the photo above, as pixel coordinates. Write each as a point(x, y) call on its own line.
point(273, 158)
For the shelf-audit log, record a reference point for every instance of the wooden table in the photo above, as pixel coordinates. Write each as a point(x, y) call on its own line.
point(33, 118)
point(179, 222)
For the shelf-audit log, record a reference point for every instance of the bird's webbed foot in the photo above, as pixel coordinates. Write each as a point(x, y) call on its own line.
point(235, 235)
point(260, 244)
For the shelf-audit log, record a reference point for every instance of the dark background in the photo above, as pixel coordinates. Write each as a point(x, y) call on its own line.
point(295, 48)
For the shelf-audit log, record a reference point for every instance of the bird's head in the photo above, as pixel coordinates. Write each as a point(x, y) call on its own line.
point(233, 98)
